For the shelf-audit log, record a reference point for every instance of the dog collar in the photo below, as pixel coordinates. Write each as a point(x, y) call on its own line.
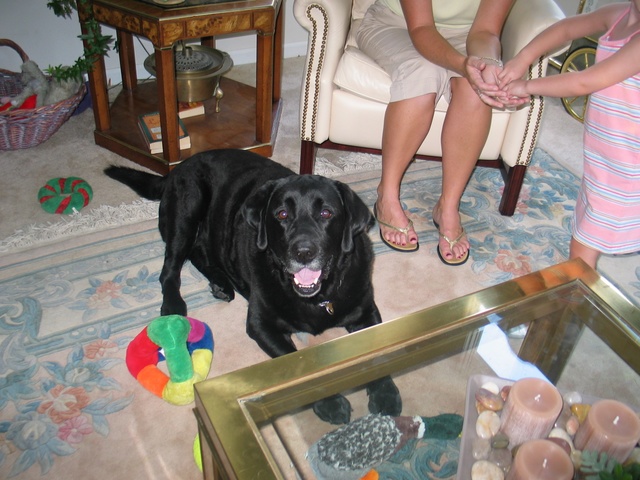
point(327, 305)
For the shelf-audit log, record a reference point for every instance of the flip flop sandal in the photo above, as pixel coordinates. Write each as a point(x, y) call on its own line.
point(410, 247)
point(454, 262)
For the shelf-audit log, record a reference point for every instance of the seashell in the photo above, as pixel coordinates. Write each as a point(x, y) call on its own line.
point(572, 397)
point(481, 448)
point(580, 410)
point(491, 401)
point(561, 434)
point(504, 392)
point(488, 424)
point(502, 458)
point(485, 470)
point(492, 387)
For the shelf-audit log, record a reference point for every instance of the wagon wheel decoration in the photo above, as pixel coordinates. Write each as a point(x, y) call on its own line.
point(578, 60)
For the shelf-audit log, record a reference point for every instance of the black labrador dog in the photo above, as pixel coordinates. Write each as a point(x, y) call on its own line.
point(295, 246)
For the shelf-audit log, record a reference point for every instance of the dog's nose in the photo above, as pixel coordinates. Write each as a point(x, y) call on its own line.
point(305, 252)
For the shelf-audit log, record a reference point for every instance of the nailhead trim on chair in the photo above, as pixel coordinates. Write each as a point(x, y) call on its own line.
point(312, 56)
point(538, 120)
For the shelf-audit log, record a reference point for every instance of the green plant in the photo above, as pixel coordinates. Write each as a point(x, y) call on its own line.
point(593, 464)
point(627, 472)
point(598, 466)
point(96, 44)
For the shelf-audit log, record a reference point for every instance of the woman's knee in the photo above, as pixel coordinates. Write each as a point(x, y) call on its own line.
point(462, 91)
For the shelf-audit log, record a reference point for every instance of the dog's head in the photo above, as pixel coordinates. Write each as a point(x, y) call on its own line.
point(307, 222)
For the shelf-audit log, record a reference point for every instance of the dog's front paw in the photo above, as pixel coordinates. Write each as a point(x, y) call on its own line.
point(224, 294)
point(176, 307)
point(335, 409)
point(384, 397)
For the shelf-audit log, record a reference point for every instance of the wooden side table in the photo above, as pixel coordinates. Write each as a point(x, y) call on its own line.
point(249, 116)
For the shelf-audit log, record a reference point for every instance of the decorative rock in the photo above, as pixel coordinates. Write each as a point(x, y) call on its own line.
point(561, 443)
point(492, 401)
point(481, 448)
point(499, 441)
point(502, 458)
point(492, 387)
point(572, 397)
point(572, 425)
point(561, 434)
point(580, 410)
point(488, 424)
point(485, 470)
point(634, 457)
point(563, 418)
point(480, 407)
point(576, 458)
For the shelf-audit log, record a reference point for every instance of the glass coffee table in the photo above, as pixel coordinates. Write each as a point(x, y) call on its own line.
point(581, 333)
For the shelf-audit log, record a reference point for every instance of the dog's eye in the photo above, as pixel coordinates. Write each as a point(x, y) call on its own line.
point(282, 215)
point(326, 214)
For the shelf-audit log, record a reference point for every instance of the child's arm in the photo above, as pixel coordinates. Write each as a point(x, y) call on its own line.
point(559, 34)
point(618, 67)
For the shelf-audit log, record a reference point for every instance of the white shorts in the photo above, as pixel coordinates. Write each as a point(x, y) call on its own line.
point(384, 37)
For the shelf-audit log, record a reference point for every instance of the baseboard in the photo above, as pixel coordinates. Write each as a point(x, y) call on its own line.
point(240, 57)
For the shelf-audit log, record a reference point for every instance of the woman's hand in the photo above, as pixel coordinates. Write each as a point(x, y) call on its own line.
point(483, 75)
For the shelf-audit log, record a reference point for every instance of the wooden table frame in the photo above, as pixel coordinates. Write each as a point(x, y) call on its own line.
point(255, 112)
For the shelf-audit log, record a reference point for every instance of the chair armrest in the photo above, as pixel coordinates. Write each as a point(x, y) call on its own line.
point(328, 23)
point(526, 20)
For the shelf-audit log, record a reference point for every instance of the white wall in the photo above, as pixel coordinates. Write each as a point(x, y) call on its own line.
point(50, 40)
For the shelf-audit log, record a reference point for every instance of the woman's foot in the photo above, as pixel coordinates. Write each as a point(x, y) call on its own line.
point(453, 244)
point(396, 230)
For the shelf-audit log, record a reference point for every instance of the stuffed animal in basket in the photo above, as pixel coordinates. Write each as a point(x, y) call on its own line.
point(38, 90)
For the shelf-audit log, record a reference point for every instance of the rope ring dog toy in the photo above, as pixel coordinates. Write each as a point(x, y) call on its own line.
point(187, 346)
point(65, 195)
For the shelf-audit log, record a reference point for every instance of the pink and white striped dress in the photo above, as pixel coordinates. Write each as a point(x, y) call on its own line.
point(607, 215)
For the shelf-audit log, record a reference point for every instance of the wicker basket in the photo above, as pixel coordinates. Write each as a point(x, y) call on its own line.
point(28, 128)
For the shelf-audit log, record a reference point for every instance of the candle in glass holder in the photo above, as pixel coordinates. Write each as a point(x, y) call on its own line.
point(541, 460)
point(610, 427)
point(531, 409)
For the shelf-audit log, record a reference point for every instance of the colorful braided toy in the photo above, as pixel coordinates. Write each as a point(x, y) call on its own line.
point(65, 195)
point(187, 346)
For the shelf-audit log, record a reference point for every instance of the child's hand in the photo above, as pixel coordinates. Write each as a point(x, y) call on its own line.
point(515, 94)
point(516, 88)
point(511, 71)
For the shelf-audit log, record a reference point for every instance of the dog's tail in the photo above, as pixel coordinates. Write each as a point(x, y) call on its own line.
point(145, 184)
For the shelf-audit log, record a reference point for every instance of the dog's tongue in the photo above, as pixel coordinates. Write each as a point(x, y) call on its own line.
point(307, 276)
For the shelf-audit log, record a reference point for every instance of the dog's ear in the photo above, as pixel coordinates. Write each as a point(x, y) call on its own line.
point(254, 211)
point(358, 217)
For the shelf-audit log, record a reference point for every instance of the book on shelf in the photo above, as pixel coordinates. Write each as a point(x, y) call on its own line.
point(152, 133)
point(190, 109)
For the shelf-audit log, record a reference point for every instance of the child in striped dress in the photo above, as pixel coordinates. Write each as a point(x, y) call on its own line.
point(607, 214)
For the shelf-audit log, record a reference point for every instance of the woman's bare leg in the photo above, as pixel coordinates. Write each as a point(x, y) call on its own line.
point(464, 134)
point(406, 124)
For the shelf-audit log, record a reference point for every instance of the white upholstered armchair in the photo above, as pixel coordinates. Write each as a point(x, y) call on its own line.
point(345, 93)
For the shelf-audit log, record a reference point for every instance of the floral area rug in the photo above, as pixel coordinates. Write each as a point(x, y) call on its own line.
point(70, 409)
